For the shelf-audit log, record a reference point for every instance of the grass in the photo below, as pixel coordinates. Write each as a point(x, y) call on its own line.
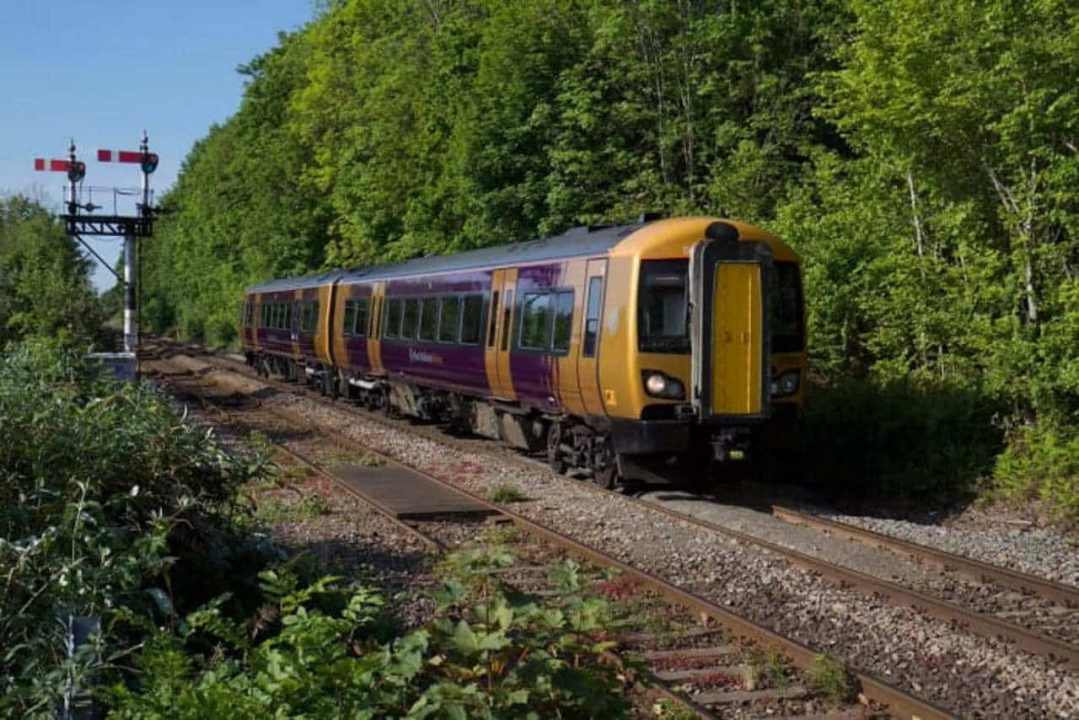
point(276, 511)
point(832, 678)
point(507, 493)
point(767, 668)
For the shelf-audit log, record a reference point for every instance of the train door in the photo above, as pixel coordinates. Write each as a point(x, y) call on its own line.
point(591, 326)
point(730, 350)
point(499, 333)
point(375, 323)
point(325, 322)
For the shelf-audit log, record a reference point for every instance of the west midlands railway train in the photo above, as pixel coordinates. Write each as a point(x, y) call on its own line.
point(616, 349)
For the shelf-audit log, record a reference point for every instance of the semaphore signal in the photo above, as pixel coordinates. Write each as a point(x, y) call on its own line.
point(80, 221)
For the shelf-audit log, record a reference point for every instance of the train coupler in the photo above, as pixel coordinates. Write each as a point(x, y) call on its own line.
point(731, 444)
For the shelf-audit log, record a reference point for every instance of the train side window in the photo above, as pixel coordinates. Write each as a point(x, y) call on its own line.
point(591, 316)
point(507, 307)
point(289, 322)
point(449, 319)
point(350, 317)
point(311, 317)
point(359, 325)
point(470, 319)
point(411, 318)
point(492, 319)
point(563, 320)
point(393, 319)
point(535, 321)
point(429, 319)
point(278, 316)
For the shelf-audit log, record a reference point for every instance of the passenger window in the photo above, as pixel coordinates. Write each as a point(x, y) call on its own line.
point(507, 310)
point(429, 319)
point(535, 321)
point(592, 316)
point(411, 319)
point(563, 320)
point(359, 325)
point(393, 319)
point(449, 319)
point(470, 322)
point(492, 319)
point(350, 317)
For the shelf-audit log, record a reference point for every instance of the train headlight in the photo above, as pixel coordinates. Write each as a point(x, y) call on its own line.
point(659, 385)
point(786, 383)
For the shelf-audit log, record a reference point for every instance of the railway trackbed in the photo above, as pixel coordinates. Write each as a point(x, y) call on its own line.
point(940, 659)
point(689, 650)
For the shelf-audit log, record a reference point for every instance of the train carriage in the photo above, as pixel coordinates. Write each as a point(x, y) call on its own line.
point(615, 349)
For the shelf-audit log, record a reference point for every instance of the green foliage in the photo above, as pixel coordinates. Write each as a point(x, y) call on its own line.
point(507, 493)
point(485, 654)
point(1042, 463)
point(924, 441)
point(922, 158)
point(108, 504)
point(45, 286)
point(832, 678)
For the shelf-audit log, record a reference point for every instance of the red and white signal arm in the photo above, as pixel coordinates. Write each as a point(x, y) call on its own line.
point(148, 161)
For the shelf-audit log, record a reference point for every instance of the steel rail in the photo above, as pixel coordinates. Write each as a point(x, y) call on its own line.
point(900, 703)
point(975, 569)
point(974, 621)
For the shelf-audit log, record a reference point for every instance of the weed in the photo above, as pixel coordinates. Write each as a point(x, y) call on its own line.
point(666, 709)
point(832, 678)
point(310, 506)
point(507, 493)
point(369, 459)
point(766, 668)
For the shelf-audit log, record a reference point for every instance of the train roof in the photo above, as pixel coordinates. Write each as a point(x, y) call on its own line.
point(585, 240)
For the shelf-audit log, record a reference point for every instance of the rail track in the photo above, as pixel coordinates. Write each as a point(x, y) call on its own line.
point(705, 649)
point(1037, 615)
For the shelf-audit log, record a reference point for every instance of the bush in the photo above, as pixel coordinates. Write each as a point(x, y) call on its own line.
point(1042, 462)
point(487, 654)
point(110, 507)
point(916, 441)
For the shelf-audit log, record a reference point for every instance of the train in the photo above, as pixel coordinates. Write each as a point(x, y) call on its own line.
point(615, 350)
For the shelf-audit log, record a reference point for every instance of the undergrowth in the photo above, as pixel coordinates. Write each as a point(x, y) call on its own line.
point(119, 517)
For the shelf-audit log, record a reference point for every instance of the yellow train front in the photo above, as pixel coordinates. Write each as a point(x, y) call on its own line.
point(618, 350)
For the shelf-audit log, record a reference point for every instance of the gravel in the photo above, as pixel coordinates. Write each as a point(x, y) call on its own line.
point(1038, 551)
point(973, 676)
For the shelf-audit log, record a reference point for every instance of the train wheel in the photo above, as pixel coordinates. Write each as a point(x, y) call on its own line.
point(604, 464)
point(555, 457)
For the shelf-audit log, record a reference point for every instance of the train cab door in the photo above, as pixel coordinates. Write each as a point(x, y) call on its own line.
point(591, 327)
point(499, 333)
point(728, 295)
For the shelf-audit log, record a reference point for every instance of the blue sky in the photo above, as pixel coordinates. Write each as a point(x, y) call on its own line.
point(101, 71)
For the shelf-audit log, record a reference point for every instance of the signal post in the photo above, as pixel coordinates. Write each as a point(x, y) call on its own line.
point(80, 222)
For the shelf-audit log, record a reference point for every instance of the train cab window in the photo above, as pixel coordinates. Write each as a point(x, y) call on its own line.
point(591, 316)
point(563, 320)
point(535, 321)
point(359, 325)
point(471, 315)
point(786, 316)
point(429, 319)
point(411, 319)
point(507, 309)
point(662, 317)
point(449, 319)
point(492, 320)
point(393, 319)
point(350, 317)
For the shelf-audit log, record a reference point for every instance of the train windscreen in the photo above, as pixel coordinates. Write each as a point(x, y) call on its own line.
point(788, 333)
point(662, 316)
